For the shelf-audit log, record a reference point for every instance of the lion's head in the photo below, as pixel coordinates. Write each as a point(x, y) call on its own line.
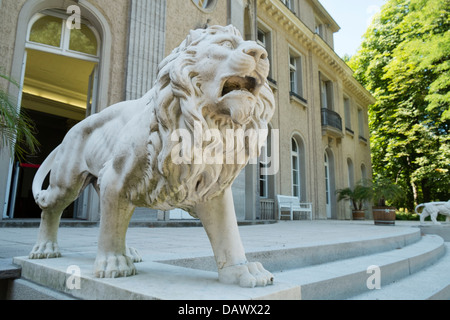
point(215, 71)
point(219, 80)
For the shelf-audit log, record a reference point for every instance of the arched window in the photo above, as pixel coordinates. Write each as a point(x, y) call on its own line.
point(49, 32)
point(46, 30)
point(327, 180)
point(295, 162)
point(62, 62)
point(351, 176)
point(264, 163)
point(363, 172)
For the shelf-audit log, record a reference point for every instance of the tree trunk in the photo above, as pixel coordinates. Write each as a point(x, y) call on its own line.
point(414, 190)
point(426, 192)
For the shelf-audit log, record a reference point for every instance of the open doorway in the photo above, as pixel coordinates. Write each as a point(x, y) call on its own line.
point(59, 90)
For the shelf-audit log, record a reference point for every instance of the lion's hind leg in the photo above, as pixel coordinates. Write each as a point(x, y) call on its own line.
point(423, 214)
point(47, 242)
point(53, 201)
point(433, 212)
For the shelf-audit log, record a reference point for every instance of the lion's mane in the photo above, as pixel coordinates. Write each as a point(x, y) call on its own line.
point(176, 102)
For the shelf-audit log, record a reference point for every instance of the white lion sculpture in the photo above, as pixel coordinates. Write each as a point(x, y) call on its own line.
point(432, 209)
point(214, 78)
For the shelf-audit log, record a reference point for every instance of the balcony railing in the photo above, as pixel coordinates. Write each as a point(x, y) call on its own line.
point(331, 122)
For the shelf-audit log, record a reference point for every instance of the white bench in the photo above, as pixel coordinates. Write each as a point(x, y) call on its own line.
point(292, 204)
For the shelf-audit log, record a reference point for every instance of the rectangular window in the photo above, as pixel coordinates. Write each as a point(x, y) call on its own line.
point(319, 28)
point(289, 4)
point(326, 93)
point(263, 185)
point(296, 74)
point(261, 38)
point(361, 126)
point(348, 114)
point(263, 179)
point(264, 165)
point(264, 39)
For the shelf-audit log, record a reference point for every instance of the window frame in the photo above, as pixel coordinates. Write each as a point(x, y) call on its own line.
point(361, 125)
point(326, 90)
point(296, 87)
point(64, 47)
point(263, 163)
point(295, 188)
point(290, 4)
point(319, 28)
point(348, 113)
point(266, 44)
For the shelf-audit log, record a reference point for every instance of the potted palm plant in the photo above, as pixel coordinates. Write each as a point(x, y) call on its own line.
point(384, 190)
point(358, 195)
point(16, 129)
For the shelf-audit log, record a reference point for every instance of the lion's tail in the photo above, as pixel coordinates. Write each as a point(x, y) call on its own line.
point(417, 207)
point(42, 173)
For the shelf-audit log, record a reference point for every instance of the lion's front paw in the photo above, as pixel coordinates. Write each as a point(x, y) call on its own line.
point(45, 250)
point(134, 254)
point(246, 275)
point(113, 266)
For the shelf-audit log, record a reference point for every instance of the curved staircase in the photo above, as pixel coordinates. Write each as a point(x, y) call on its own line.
point(309, 260)
point(410, 266)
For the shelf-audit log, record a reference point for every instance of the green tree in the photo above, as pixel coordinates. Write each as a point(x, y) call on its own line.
point(404, 61)
point(16, 129)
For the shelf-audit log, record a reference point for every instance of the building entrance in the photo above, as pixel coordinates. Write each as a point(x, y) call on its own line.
point(59, 87)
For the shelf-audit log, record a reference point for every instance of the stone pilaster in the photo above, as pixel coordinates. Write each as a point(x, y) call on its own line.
point(145, 45)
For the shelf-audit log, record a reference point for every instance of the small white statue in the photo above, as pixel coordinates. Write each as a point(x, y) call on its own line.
point(214, 79)
point(432, 209)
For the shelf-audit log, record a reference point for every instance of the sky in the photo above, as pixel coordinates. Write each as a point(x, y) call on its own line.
point(353, 16)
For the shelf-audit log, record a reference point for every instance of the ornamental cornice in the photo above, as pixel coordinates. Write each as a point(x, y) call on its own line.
point(292, 25)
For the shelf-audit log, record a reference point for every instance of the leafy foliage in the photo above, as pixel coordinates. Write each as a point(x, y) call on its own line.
point(404, 61)
point(16, 129)
point(358, 195)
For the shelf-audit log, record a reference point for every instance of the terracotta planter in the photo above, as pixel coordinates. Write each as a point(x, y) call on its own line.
point(358, 215)
point(384, 216)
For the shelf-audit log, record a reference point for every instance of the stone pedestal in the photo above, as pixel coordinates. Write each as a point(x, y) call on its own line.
point(442, 230)
point(73, 275)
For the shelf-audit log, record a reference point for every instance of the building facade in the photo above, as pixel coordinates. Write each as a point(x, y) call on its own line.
point(75, 58)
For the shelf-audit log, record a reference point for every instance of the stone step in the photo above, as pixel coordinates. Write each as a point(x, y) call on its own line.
point(338, 279)
point(346, 278)
point(312, 254)
point(431, 283)
point(21, 289)
point(8, 271)
point(154, 281)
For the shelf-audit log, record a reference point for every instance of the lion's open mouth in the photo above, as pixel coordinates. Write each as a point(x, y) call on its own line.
point(236, 83)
